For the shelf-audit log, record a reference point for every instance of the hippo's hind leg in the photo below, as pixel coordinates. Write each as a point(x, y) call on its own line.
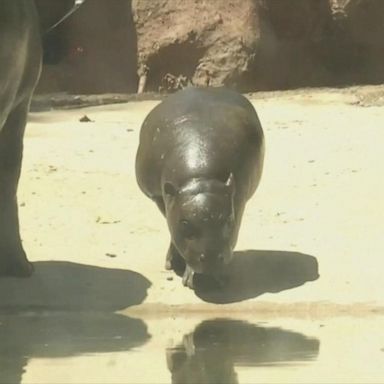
point(13, 260)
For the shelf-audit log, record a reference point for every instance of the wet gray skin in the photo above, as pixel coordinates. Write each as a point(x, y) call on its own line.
point(201, 220)
point(20, 61)
point(200, 159)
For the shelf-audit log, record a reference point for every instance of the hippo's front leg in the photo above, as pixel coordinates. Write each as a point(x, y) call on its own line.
point(170, 257)
point(174, 261)
point(188, 277)
point(13, 261)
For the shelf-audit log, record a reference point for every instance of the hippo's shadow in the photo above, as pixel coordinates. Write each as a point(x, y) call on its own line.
point(58, 285)
point(50, 335)
point(252, 273)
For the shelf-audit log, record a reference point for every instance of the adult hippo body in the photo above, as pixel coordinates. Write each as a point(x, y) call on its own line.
point(200, 158)
point(20, 63)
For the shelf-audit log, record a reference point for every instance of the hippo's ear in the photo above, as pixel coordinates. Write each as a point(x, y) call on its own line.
point(169, 189)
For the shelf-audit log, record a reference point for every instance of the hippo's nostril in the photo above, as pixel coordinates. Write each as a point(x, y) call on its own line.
point(220, 257)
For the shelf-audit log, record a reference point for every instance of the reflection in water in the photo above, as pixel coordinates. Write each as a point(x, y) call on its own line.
point(209, 354)
point(62, 335)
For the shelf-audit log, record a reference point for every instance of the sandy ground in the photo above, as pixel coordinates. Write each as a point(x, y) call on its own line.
point(309, 255)
point(318, 210)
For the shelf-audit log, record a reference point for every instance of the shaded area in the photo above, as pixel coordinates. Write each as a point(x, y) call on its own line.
point(253, 273)
point(209, 354)
point(57, 285)
point(93, 51)
point(293, 46)
point(355, 41)
point(54, 43)
point(54, 335)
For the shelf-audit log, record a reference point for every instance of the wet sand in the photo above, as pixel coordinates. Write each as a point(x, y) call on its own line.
point(309, 252)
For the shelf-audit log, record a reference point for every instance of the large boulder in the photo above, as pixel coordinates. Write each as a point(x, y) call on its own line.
point(205, 41)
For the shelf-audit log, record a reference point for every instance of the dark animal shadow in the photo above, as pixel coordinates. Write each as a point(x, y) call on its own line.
point(252, 273)
point(57, 285)
point(59, 334)
point(210, 353)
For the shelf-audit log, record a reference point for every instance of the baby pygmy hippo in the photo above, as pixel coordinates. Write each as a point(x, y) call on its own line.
point(200, 158)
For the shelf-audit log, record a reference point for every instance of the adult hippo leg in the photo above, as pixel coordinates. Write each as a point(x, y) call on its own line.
point(13, 261)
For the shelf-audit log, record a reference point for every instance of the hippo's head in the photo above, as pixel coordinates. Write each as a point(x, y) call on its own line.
point(201, 220)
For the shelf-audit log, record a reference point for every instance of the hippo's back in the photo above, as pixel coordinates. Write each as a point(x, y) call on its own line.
point(200, 103)
point(199, 132)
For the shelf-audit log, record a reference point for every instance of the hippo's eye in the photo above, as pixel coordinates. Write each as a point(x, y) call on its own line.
point(187, 229)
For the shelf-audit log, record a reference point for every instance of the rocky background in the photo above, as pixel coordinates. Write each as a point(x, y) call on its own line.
point(115, 45)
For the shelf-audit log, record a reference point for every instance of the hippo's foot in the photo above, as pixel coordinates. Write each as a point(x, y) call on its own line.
point(14, 264)
point(174, 260)
point(188, 277)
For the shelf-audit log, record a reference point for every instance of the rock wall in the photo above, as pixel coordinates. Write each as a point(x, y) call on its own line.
point(246, 44)
point(261, 44)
